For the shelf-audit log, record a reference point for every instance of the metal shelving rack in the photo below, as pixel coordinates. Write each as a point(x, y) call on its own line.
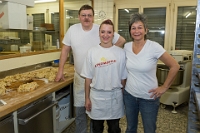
point(193, 125)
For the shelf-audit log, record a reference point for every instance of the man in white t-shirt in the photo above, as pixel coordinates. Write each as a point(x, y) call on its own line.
point(80, 37)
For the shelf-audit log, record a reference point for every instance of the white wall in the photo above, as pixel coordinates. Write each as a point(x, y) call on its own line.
point(103, 10)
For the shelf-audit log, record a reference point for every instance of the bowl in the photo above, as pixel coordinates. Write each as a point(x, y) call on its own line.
point(162, 72)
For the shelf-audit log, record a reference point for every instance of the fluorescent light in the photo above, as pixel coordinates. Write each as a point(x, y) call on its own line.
point(126, 10)
point(188, 14)
point(43, 1)
point(0, 1)
point(161, 31)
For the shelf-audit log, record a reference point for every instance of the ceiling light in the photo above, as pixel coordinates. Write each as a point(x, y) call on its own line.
point(126, 10)
point(188, 14)
point(43, 1)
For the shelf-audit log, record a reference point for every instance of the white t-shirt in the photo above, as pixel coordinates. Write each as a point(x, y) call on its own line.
point(142, 68)
point(80, 41)
point(106, 67)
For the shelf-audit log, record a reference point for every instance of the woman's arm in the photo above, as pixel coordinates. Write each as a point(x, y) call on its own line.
point(169, 61)
point(88, 104)
point(123, 82)
point(174, 67)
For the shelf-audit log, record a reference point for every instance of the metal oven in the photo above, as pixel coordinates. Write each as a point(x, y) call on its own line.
point(6, 124)
point(37, 117)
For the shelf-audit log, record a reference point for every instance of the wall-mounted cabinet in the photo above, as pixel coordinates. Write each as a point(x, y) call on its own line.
point(13, 16)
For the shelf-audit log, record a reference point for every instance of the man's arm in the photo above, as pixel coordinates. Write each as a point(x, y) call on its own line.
point(63, 57)
point(120, 42)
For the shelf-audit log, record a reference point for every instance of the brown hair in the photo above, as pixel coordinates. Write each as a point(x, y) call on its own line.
point(135, 18)
point(109, 22)
point(86, 7)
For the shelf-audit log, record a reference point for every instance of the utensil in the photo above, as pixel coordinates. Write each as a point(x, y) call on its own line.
point(2, 102)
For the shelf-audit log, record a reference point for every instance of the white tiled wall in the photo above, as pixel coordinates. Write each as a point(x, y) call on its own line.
point(101, 7)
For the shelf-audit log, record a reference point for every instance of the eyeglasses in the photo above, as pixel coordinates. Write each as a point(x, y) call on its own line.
point(88, 15)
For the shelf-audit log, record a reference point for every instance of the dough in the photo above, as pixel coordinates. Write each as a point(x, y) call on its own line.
point(27, 87)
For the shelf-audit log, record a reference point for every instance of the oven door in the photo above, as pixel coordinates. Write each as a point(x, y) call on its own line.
point(37, 117)
point(6, 124)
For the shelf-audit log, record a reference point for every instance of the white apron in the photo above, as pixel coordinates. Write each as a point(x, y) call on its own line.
point(106, 105)
point(79, 90)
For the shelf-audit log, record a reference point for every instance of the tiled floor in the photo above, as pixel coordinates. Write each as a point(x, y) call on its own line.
point(167, 122)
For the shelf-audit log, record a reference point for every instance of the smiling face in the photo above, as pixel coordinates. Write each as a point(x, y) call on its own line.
point(106, 34)
point(86, 18)
point(138, 31)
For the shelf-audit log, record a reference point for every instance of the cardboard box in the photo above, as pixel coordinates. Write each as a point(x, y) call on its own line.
point(48, 26)
point(64, 106)
point(13, 16)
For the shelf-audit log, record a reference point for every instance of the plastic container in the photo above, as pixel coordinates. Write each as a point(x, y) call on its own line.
point(64, 108)
point(55, 63)
point(24, 49)
point(58, 44)
point(14, 48)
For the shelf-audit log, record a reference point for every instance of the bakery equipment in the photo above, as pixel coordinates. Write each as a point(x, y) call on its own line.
point(37, 114)
point(7, 124)
point(179, 91)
